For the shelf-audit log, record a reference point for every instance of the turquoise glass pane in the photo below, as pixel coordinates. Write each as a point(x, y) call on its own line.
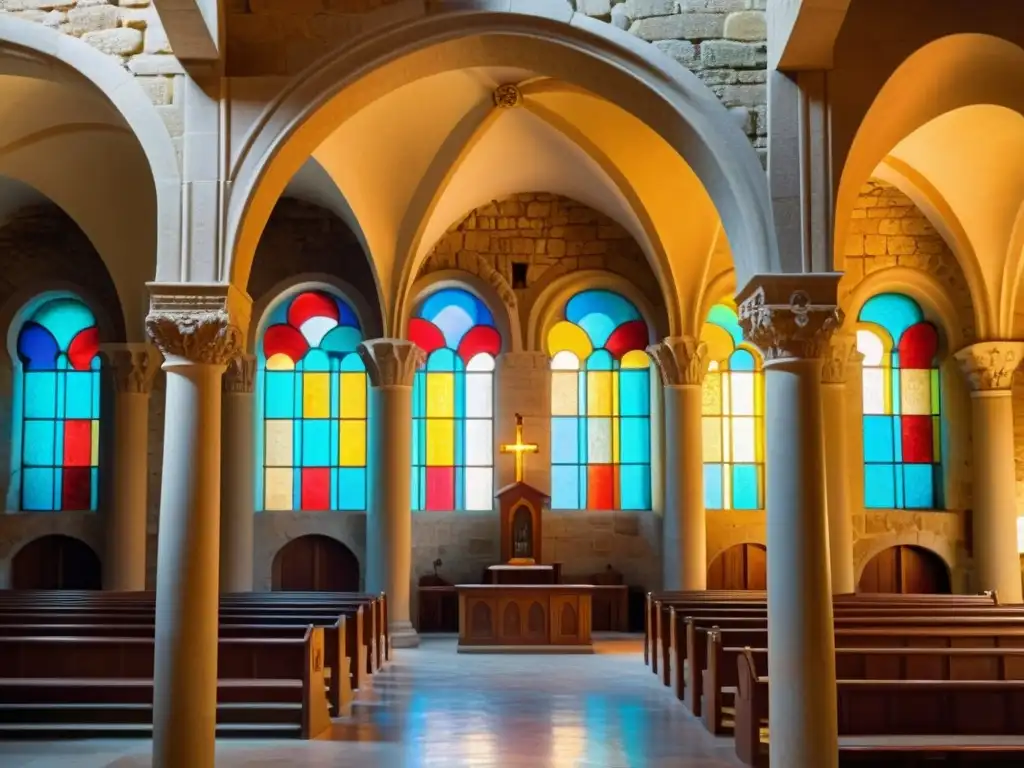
point(879, 486)
point(634, 392)
point(893, 311)
point(600, 360)
point(94, 489)
point(417, 437)
point(39, 447)
point(725, 318)
point(78, 395)
point(280, 395)
point(713, 486)
point(37, 489)
point(64, 318)
point(417, 488)
point(897, 439)
point(40, 395)
point(95, 386)
point(635, 486)
point(878, 438)
point(919, 486)
point(443, 359)
point(352, 363)
point(316, 360)
point(341, 341)
point(635, 440)
point(599, 313)
point(741, 360)
point(565, 440)
point(744, 486)
point(565, 487)
point(581, 475)
point(316, 443)
point(460, 488)
point(351, 488)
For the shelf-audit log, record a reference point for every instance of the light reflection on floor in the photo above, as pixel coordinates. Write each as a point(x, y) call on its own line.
point(432, 707)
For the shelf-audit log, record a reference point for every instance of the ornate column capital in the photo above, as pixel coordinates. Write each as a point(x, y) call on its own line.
point(200, 322)
point(390, 362)
point(132, 367)
point(682, 360)
point(240, 375)
point(790, 316)
point(989, 365)
point(841, 351)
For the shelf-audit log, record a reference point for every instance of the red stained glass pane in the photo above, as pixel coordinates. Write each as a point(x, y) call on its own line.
point(482, 338)
point(918, 346)
point(917, 439)
point(311, 304)
point(316, 488)
point(601, 486)
point(626, 338)
point(76, 488)
point(440, 489)
point(425, 335)
point(83, 348)
point(284, 340)
point(77, 443)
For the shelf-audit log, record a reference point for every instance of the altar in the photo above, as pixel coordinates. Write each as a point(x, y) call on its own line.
point(525, 618)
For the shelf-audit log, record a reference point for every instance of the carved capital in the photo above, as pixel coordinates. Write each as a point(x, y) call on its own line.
point(989, 365)
point(201, 323)
point(841, 351)
point(391, 362)
point(240, 375)
point(133, 367)
point(681, 360)
point(790, 316)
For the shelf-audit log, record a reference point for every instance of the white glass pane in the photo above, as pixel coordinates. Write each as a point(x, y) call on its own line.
point(869, 345)
point(742, 392)
point(743, 447)
point(481, 362)
point(479, 488)
point(479, 448)
point(565, 361)
point(874, 390)
point(479, 394)
point(279, 443)
point(564, 393)
point(727, 423)
point(599, 441)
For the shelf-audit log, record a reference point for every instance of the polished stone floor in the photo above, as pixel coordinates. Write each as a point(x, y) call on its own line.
point(431, 707)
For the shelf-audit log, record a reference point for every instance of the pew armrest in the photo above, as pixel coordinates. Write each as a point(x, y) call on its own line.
point(316, 718)
point(751, 708)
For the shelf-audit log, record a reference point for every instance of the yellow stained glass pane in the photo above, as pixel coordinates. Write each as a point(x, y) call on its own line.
point(635, 358)
point(743, 440)
point(352, 443)
point(741, 386)
point(615, 395)
point(874, 391)
point(280, 362)
point(915, 392)
point(316, 395)
point(277, 489)
point(599, 393)
point(440, 395)
point(759, 437)
point(726, 487)
point(278, 450)
point(711, 404)
point(935, 391)
point(564, 393)
point(727, 423)
point(440, 442)
point(712, 438)
point(95, 442)
point(353, 395)
point(569, 337)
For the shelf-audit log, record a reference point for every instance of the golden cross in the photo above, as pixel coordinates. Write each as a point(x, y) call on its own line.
point(519, 448)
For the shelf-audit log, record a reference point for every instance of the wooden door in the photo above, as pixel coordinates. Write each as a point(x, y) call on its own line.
point(743, 566)
point(315, 563)
point(905, 570)
point(56, 562)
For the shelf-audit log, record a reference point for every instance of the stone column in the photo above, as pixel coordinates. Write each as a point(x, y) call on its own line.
point(195, 329)
point(791, 318)
point(132, 368)
point(391, 365)
point(682, 362)
point(989, 367)
point(838, 464)
point(238, 460)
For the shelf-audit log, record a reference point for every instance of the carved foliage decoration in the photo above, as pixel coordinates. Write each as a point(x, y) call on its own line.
point(989, 365)
point(198, 335)
point(391, 362)
point(842, 350)
point(240, 375)
point(797, 328)
point(133, 367)
point(681, 360)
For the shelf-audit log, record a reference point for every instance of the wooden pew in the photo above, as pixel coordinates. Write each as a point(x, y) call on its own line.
point(977, 720)
point(650, 628)
point(74, 685)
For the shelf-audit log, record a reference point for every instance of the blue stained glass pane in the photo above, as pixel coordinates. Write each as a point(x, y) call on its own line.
point(600, 360)
point(460, 442)
point(581, 474)
point(58, 445)
point(435, 304)
point(897, 439)
point(635, 440)
point(64, 318)
point(341, 340)
point(316, 443)
point(726, 318)
point(95, 386)
point(901, 500)
point(94, 488)
point(878, 438)
point(893, 311)
point(581, 391)
point(599, 313)
point(635, 486)
point(879, 486)
point(416, 481)
point(565, 487)
point(345, 314)
point(37, 490)
point(417, 436)
point(443, 359)
point(316, 360)
point(37, 348)
point(39, 449)
point(565, 440)
point(351, 488)
point(40, 395)
point(744, 486)
point(713, 486)
point(741, 360)
point(352, 363)
point(460, 488)
point(280, 395)
point(895, 379)
point(919, 486)
point(78, 395)
point(634, 393)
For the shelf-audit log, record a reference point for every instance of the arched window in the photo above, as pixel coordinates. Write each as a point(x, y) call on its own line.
point(902, 438)
point(453, 403)
point(733, 416)
point(600, 405)
point(312, 389)
point(58, 348)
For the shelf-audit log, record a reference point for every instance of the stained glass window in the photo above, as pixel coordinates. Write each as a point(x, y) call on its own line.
point(902, 439)
point(600, 405)
point(312, 387)
point(733, 416)
point(453, 403)
point(58, 347)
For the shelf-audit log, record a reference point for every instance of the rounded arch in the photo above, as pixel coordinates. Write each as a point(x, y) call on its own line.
point(906, 568)
point(56, 561)
point(315, 563)
point(866, 550)
point(741, 565)
point(545, 37)
point(498, 297)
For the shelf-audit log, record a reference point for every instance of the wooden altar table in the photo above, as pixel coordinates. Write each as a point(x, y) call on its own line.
point(521, 618)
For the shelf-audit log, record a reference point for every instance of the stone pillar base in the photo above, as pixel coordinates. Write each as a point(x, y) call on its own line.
point(403, 635)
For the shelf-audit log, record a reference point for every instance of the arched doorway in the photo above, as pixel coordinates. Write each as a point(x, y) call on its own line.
point(56, 562)
point(315, 563)
point(743, 566)
point(905, 570)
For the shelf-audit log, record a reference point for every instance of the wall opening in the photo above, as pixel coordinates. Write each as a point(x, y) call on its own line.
point(905, 570)
point(315, 563)
point(56, 562)
point(742, 566)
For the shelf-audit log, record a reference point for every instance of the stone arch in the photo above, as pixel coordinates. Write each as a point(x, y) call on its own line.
point(315, 563)
point(56, 561)
point(546, 36)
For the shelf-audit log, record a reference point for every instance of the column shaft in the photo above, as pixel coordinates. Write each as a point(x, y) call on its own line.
point(125, 564)
point(237, 506)
point(685, 527)
point(837, 483)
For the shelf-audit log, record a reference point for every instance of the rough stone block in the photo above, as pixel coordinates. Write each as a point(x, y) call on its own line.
point(159, 89)
point(855, 245)
point(729, 53)
point(898, 246)
point(91, 19)
point(889, 227)
point(874, 245)
point(620, 17)
point(117, 42)
point(682, 51)
point(916, 226)
point(642, 9)
point(744, 119)
point(745, 95)
point(598, 8)
point(682, 26)
point(715, 6)
point(746, 25)
point(155, 64)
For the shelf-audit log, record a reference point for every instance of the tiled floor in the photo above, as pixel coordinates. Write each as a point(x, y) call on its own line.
point(431, 707)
